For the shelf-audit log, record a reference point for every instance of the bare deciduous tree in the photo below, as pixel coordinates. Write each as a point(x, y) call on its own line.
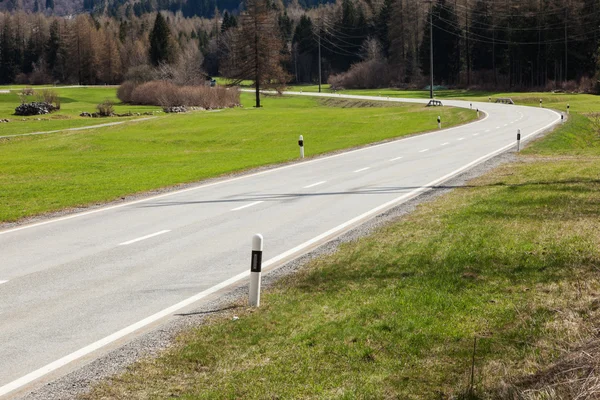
point(255, 51)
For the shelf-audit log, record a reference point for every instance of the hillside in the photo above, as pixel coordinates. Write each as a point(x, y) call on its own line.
point(118, 8)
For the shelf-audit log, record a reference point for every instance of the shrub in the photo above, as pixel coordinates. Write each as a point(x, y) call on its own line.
point(49, 96)
point(106, 108)
point(125, 90)
point(167, 94)
point(370, 74)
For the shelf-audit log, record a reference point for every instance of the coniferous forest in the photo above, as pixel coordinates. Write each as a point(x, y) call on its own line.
point(503, 44)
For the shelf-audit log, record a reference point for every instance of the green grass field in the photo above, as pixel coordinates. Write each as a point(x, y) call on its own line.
point(74, 101)
point(511, 260)
point(46, 173)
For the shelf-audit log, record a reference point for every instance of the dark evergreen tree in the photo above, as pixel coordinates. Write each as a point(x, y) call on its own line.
point(49, 4)
point(305, 54)
point(8, 49)
point(161, 50)
point(53, 45)
point(481, 34)
point(381, 26)
point(446, 40)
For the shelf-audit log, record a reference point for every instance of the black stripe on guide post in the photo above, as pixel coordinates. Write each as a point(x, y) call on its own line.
point(300, 143)
point(256, 265)
point(518, 136)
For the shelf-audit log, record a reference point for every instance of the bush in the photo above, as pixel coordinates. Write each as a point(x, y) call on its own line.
point(125, 90)
point(167, 94)
point(370, 74)
point(49, 96)
point(106, 108)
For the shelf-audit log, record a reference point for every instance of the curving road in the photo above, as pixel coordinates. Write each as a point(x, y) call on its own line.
point(73, 285)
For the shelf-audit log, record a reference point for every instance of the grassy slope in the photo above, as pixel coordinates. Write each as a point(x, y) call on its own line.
point(47, 173)
point(512, 259)
point(73, 102)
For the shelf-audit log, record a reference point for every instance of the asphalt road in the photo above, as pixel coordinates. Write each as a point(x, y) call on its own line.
point(71, 286)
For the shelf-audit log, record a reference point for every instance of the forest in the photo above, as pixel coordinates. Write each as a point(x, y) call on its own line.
point(509, 44)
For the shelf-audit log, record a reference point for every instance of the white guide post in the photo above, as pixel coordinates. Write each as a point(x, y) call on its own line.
point(301, 144)
point(439, 122)
point(518, 140)
point(255, 270)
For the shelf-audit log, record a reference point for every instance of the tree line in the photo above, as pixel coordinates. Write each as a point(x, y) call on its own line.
point(493, 43)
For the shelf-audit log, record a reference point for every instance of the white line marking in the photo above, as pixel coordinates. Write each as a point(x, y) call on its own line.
point(1, 282)
point(314, 184)
point(395, 159)
point(487, 130)
point(459, 139)
point(144, 237)
point(445, 144)
point(247, 205)
point(497, 127)
point(423, 151)
point(316, 160)
point(505, 125)
point(476, 134)
point(362, 169)
point(32, 376)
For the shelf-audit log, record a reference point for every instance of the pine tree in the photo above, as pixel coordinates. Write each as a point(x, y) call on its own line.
point(446, 40)
point(161, 49)
point(53, 45)
point(8, 67)
point(49, 4)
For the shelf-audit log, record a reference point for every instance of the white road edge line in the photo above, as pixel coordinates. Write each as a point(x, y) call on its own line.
point(1, 282)
point(144, 237)
point(423, 151)
point(205, 185)
point(445, 144)
point(476, 134)
point(396, 159)
point(362, 169)
point(247, 205)
point(459, 139)
point(53, 366)
point(314, 184)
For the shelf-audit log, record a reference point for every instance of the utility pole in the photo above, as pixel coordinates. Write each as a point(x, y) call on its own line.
point(566, 47)
point(431, 49)
point(468, 46)
point(320, 33)
point(319, 60)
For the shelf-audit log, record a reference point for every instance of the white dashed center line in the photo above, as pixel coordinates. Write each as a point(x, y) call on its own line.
point(362, 169)
point(395, 159)
point(424, 150)
point(445, 144)
point(459, 139)
point(247, 205)
point(143, 238)
point(476, 134)
point(314, 184)
point(487, 130)
point(1, 282)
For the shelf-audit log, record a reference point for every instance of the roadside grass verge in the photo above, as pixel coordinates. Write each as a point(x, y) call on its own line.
point(40, 174)
point(511, 260)
point(74, 101)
